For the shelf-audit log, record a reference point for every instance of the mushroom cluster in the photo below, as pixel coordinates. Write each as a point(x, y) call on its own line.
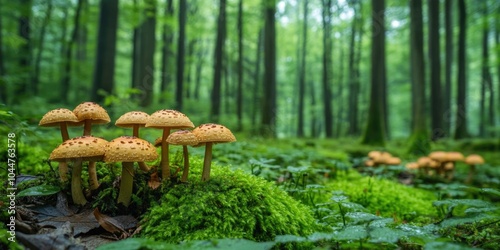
point(377, 158)
point(127, 149)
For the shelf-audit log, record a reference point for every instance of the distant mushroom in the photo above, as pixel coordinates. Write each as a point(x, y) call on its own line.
point(79, 149)
point(62, 118)
point(134, 120)
point(472, 161)
point(127, 150)
point(393, 161)
point(91, 113)
point(166, 120)
point(184, 138)
point(207, 135)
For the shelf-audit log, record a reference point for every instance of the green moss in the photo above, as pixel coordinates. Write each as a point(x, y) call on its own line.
point(384, 196)
point(230, 205)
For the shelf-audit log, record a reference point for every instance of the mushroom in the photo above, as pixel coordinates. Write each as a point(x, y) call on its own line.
point(472, 161)
point(184, 138)
point(79, 149)
point(167, 119)
point(208, 134)
point(134, 120)
point(393, 161)
point(89, 113)
point(381, 158)
point(412, 165)
point(62, 118)
point(127, 150)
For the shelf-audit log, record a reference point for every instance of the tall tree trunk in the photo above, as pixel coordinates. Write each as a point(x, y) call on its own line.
point(435, 68)
point(352, 112)
point(327, 67)
point(340, 93)
point(181, 48)
point(448, 23)
point(302, 72)
point(486, 81)
point(200, 54)
point(461, 116)
point(24, 86)
point(256, 90)
point(239, 91)
point(136, 51)
point(41, 40)
point(147, 46)
point(192, 44)
point(314, 113)
point(375, 133)
point(218, 64)
point(269, 105)
point(66, 80)
point(497, 46)
point(167, 52)
point(3, 84)
point(104, 70)
point(419, 141)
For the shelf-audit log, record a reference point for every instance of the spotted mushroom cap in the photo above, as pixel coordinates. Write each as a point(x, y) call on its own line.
point(57, 116)
point(158, 141)
point(167, 118)
point(211, 132)
point(91, 111)
point(129, 149)
point(474, 159)
point(132, 118)
point(86, 148)
point(183, 137)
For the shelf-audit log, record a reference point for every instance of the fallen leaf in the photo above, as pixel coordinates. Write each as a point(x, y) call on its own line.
point(109, 224)
point(81, 223)
point(154, 181)
point(61, 238)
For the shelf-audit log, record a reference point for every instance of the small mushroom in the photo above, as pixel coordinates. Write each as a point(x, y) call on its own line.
point(127, 150)
point(207, 135)
point(167, 119)
point(91, 113)
point(184, 138)
point(472, 161)
point(61, 118)
point(134, 120)
point(84, 148)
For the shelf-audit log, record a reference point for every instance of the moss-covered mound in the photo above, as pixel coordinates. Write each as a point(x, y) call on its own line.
point(383, 196)
point(232, 204)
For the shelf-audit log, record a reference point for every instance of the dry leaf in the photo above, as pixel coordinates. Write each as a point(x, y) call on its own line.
point(109, 224)
point(154, 181)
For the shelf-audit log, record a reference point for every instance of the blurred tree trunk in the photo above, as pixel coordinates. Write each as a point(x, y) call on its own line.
point(314, 114)
point(375, 132)
point(192, 44)
point(226, 76)
point(181, 48)
point(327, 66)
point(66, 80)
point(200, 58)
point(435, 67)
point(419, 141)
point(82, 36)
point(497, 46)
point(104, 69)
point(24, 86)
point(147, 45)
point(486, 81)
point(136, 43)
point(256, 90)
point(239, 91)
point(268, 125)
point(41, 40)
point(339, 97)
point(167, 52)
point(218, 64)
point(353, 98)
point(302, 71)
point(461, 116)
point(448, 23)
point(3, 83)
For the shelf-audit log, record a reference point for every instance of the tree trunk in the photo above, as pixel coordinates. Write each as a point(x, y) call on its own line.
point(147, 44)
point(352, 112)
point(486, 81)
point(23, 87)
point(38, 57)
point(3, 84)
point(104, 70)
point(167, 52)
point(375, 133)
point(82, 36)
point(302, 71)
point(461, 116)
point(327, 67)
point(257, 83)
point(66, 80)
point(136, 51)
point(218, 65)
point(419, 141)
point(200, 54)
point(314, 113)
point(448, 23)
point(181, 48)
point(239, 91)
point(435, 68)
point(268, 126)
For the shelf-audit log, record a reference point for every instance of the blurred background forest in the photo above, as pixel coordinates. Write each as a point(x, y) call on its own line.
point(375, 69)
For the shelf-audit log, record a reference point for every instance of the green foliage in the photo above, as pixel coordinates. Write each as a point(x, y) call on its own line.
point(41, 190)
point(4, 240)
point(230, 205)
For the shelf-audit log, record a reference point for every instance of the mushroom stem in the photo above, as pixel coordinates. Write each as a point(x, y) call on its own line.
point(185, 171)
point(63, 166)
point(165, 164)
point(64, 131)
point(470, 176)
point(76, 184)
point(144, 167)
point(135, 131)
point(87, 127)
point(126, 183)
point(205, 176)
point(93, 182)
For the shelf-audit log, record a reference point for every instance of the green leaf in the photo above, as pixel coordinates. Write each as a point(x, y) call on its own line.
point(39, 191)
point(445, 245)
point(490, 191)
point(465, 202)
point(351, 233)
point(361, 217)
point(385, 234)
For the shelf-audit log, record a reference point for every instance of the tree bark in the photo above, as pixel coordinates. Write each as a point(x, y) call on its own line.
point(256, 90)
point(239, 92)
point(104, 70)
point(435, 68)
point(24, 86)
point(302, 72)
point(147, 44)
point(200, 54)
point(181, 48)
point(268, 126)
point(486, 81)
point(327, 67)
point(461, 115)
point(38, 57)
point(3, 84)
point(448, 23)
point(375, 132)
point(218, 64)
point(352, 112)
point(167, 54)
